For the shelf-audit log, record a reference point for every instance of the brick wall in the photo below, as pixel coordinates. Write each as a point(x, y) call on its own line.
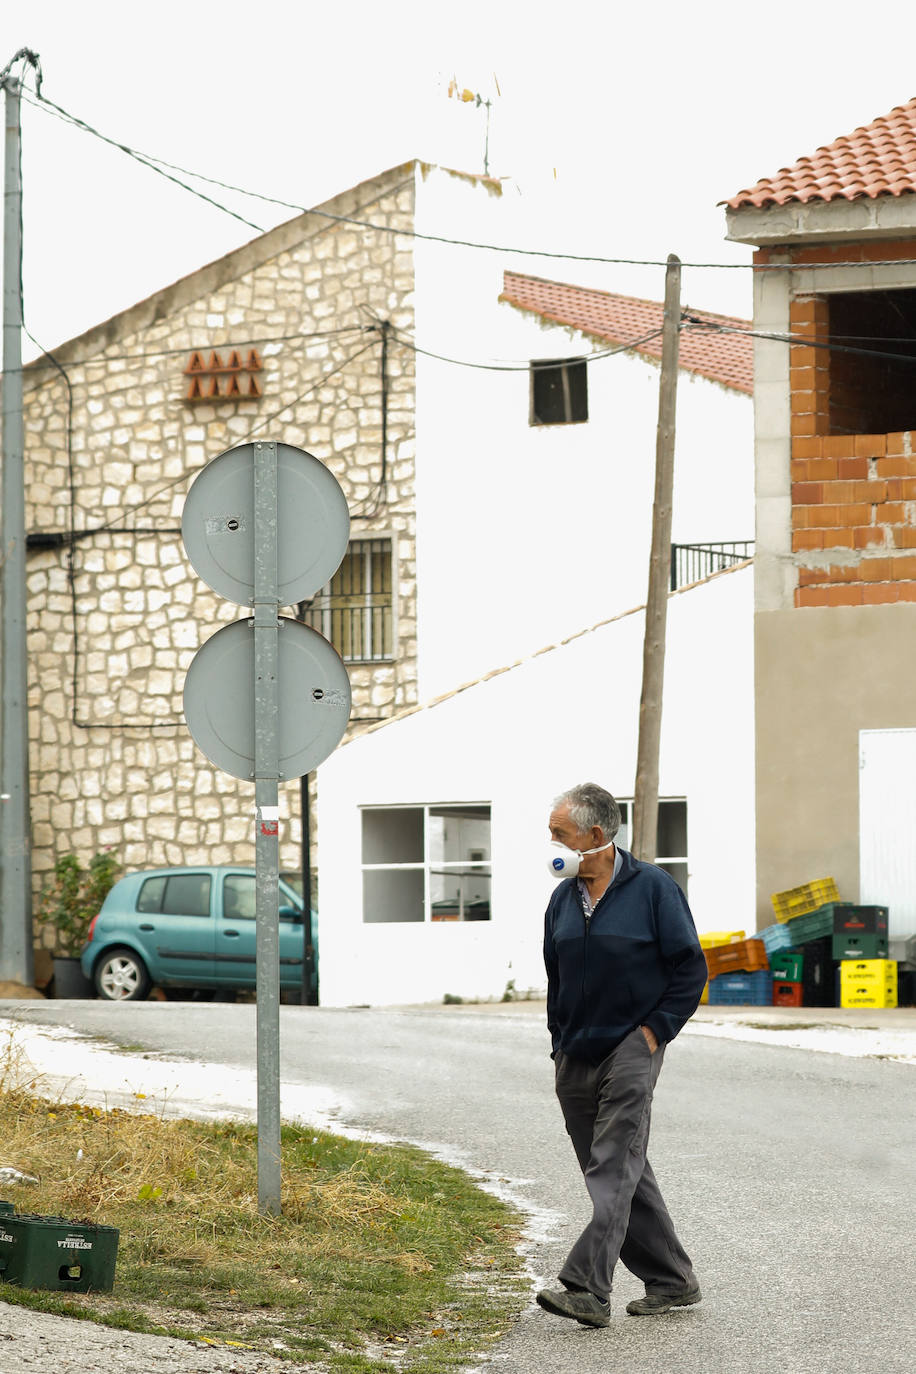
point(854, 515)
point(853, 494)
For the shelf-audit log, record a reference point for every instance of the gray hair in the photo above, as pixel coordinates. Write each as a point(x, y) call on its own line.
point(591, 805)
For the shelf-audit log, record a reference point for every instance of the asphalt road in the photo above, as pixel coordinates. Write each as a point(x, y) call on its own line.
point(789, 1173)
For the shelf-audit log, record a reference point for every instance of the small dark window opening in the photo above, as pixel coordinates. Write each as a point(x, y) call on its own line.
point(871, 392)
point(559, 391)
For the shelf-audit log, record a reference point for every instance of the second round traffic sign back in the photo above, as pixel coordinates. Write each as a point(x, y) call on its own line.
point(313, 699)
point(313, 524)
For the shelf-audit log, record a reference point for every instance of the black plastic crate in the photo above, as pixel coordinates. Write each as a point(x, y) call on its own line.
point(849, 919)
point(906, 986)
point(818, 984)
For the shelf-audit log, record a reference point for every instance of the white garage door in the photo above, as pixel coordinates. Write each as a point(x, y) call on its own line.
point(887, 825)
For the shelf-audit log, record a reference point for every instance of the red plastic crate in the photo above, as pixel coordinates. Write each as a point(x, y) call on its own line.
point(787, 994)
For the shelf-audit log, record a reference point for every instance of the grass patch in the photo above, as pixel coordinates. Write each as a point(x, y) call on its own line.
point(382, 1259)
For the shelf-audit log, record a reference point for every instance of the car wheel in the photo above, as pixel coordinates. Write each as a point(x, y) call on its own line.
point(121, 976)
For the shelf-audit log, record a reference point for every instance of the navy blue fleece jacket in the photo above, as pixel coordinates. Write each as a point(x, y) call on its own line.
point(636, 961)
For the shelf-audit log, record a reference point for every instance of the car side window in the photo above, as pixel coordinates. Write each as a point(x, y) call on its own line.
point(150, 897)
point(187, 894)
point(239, 897)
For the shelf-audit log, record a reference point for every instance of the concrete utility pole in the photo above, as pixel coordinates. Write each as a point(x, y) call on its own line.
point(16, 943)
point(645, 805)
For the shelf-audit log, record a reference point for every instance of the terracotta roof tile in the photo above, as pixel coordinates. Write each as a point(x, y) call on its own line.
point(722, 357)
point(878, 159)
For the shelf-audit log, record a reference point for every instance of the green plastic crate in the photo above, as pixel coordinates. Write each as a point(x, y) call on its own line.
point(787, 965)
point(51, 1252)
point(815, 925)
point(860, 946)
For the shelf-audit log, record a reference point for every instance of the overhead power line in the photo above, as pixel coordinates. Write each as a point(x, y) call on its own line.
point(145, 355)
point(828, 345)
point(533, 366)
point(167, 169)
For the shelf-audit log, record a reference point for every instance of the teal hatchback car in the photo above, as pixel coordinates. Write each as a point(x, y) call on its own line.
point(190, 929)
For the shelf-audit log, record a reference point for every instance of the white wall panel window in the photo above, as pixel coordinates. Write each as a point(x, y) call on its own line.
point(426, 863)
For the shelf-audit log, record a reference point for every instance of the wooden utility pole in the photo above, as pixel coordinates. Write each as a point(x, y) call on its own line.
point(645, 807)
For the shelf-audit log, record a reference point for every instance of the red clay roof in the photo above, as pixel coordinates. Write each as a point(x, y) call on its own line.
point(722, 357)
point(878, 159)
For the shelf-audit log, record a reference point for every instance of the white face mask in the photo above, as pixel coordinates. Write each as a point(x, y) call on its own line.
point(564, 862)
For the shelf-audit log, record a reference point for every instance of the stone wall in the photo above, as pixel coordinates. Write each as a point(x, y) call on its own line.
point(116, 613)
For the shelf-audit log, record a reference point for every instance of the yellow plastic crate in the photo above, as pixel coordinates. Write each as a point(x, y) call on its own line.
point(868, 995)
point(869, 973)
point(798, 901)
point(720, 937)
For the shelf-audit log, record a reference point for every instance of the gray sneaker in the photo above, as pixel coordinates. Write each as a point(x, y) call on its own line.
point(654, 1304)
point(584, 1308)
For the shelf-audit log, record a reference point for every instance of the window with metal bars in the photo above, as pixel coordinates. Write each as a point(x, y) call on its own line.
point(355, 611)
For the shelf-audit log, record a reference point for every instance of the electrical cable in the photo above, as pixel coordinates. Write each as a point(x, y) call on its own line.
point(145, 356)
point(112, 525)
point(378, 496)
point(159, 165)
point(693, 323)
point(156, 164)
point(529, 366)
point(325, 376)
point(71, 473)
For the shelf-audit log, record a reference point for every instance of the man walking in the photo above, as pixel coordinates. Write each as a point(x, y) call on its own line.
point(625, 971)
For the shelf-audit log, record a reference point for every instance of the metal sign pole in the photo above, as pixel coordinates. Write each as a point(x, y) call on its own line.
point(16, 959)
point(266, 525)
point(267, 857)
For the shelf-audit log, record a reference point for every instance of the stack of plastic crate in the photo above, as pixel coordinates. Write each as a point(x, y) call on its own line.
point(859, 932)
point(739, 974)
point(868, 983)
point(834, 933)
point(786, 966)
point(717, 937)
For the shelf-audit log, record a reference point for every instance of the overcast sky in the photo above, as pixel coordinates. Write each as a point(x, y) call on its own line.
point(621, 125)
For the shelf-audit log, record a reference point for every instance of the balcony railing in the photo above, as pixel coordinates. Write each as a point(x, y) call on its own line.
point(693, 562)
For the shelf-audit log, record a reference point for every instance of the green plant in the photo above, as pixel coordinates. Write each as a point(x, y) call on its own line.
point(74, 896)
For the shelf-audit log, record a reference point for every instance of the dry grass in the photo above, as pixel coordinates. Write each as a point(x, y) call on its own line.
point(366, 1255)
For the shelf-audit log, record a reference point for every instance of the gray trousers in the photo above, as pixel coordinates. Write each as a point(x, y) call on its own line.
point(607, 1108)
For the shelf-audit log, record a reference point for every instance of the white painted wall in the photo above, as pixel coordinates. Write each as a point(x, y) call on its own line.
point(514, 741)
point(887, 824)
point(524, 533)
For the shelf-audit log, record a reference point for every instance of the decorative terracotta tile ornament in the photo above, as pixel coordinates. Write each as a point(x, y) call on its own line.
point(217, 380)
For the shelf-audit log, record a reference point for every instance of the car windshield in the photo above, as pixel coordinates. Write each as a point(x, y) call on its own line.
point(240, 896)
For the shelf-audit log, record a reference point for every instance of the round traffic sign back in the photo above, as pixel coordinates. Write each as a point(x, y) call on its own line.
point(313, 699)
point(313, 524)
